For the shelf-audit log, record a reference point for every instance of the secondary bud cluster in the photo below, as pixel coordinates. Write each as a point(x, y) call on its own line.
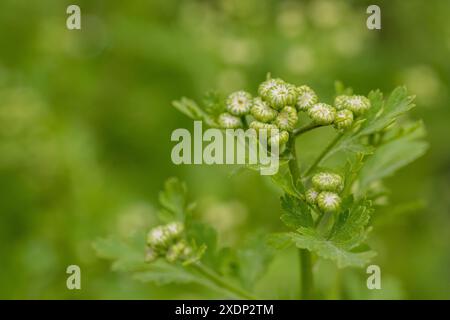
point(348, 107)
point(325, 191)
point(167, 241)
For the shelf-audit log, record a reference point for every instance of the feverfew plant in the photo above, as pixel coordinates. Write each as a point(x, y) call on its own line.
point(327, 211)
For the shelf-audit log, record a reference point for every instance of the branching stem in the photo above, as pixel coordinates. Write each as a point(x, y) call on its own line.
point(222, 283)
point(323, 154)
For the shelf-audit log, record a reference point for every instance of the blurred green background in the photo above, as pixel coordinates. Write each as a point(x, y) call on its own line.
point(86, 118)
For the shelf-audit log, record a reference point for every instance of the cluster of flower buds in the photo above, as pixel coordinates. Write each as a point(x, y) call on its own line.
point(167, 241)
point(348, 107)
point(325, 191)
point(277, 106)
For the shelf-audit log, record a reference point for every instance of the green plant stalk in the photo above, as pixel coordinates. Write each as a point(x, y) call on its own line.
point(306, 275)
point(221, 283)
point(323, 154)
point(310, 126)
point(306, 292)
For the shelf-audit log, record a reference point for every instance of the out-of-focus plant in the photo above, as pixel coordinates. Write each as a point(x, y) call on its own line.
point(328, 210)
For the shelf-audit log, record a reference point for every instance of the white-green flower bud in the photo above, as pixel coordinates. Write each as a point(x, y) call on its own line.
point(340, 102)
point(287, 119)
point(239, 103)
point(178, 251)
point(261, 111)
point(328, 201)
point(257, 125)
point(150, 255)
point(158, 238)
point(281, 138)
point(267, 86)
point(228, 121)
point(322, 113)
point(283, 94)
point(306, 98)
point(344, 119)
point(311, 196)
point(174, 230)
point(357, 104)
point(327, 181)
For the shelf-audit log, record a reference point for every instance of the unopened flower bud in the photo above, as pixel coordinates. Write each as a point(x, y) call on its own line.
point(174, 229)
point(158, 238)
point(340, 102)
point(311, 196)
point(306, 98)
point(228, 121)
point(328, 201)
point(327, 181)
point(283, 94)
point(287, 119)
point(150, 255)
point(322, 113)
point(357, 104)
point(239, 103)
point(257, 125)
point(261, 111)
point(267, 86)
point(279, 138)
point(177, 251)
point(344, 119)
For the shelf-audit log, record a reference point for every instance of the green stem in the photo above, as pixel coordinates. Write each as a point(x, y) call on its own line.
point(310, 126)
point(306, 292)
point(323, 154)
point(222, 283)
point(306, 275)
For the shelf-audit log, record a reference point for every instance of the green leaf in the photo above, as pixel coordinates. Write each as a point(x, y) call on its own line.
point(398, 103)
point(127, 256)
point(283, 178)
point(392, 156)
point(174, 201)
point(193, 111)
point(214, 103)
point(350, 230)
point(309, 239)
point(297, 213)
point(204, 234)
point(253, 259)
point(281, 240)
point(162, 273)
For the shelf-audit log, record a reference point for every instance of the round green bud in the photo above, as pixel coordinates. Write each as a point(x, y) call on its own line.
point(261, 111)
point(306, 98)
point(328, 201)
point(283, 94)
point(174, 230)
point(357, 104)
point(239, 103)
point(228, 121)
point(327, 181)
point(267, 86)
point(281, 138)
point(340, 102)
point(311, 196)
point(158, 238)
point(150, 255)
point(178, 251)
point(257, 125)
point(322, 113)
point(344, 119)
point(287, 119)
